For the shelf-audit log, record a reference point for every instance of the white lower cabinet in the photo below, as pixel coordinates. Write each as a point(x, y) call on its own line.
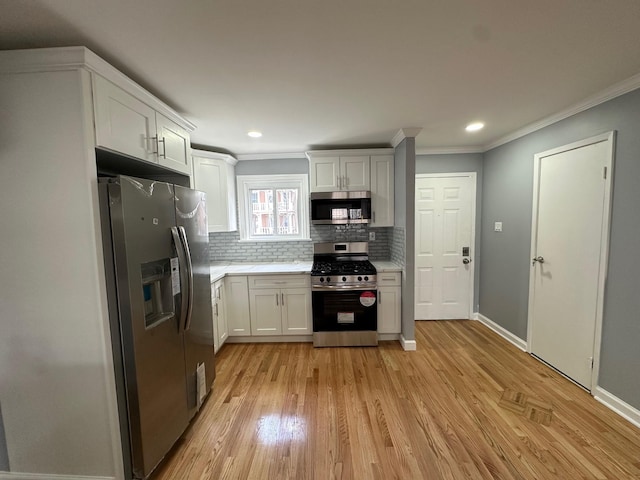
point(280, 304)
point(389, 302)
point(220, 326)
point(237, 306)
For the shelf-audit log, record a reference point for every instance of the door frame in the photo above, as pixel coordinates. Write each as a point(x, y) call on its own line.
point(604, 239)
point(474, 189)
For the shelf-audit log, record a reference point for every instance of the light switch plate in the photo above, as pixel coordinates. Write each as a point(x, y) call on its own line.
point(497, 227)
point(372, 236)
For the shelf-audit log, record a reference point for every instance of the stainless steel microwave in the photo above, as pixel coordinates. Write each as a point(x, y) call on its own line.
point(339, 208)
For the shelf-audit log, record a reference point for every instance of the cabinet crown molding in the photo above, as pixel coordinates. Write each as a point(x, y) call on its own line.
point(230, 159)
point(348, 152)
point(74, 58)
point(407, 132)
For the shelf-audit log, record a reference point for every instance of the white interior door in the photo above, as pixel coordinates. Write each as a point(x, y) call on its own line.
point(569, 235)
point(444, 227)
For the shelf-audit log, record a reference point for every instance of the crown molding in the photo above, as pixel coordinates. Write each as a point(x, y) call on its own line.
point(407, 132)
point(230, 159)
point(269, 156)
point(74, 58)
point(607, 94)
point(448, 150)
point(349, 151)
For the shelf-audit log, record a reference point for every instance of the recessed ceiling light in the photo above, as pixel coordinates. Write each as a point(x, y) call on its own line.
point(254, 134)
point(474, 127)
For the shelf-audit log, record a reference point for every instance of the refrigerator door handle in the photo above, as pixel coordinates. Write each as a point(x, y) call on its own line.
point(184, 306)
point(185, 245)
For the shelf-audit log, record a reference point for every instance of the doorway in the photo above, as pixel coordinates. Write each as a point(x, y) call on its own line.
point(569, 249)
point(445, 240)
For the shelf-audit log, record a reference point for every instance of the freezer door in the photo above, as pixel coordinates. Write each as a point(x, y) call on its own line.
point(191, 218)
point(142, 214)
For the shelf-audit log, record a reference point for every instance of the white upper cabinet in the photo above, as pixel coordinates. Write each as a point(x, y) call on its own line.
point(382, 191)
point(123, 123)
point(174, 145)
point(324, 174)
point(332, 173)
point(127, 125)
point(354, 173)
point(214, 174)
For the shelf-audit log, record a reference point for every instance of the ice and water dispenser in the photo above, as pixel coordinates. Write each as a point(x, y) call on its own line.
point(158, 289)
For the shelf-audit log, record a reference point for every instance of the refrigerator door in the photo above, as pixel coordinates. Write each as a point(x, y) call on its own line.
point(191, 219)
point(142, 214)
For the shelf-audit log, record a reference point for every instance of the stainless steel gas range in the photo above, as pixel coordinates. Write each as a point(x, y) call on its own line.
point(344, 295)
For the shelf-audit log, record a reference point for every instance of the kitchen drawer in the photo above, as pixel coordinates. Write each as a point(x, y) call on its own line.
point(279, 281)
point(389, 279)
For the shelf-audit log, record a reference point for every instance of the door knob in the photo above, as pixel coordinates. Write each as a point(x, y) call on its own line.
point(466, 261)
point(538, 259)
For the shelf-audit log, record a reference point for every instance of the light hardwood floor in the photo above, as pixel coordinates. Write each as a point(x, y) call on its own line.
point(465, 405)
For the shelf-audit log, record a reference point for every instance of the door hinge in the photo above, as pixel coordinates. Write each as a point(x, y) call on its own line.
point(605, 173)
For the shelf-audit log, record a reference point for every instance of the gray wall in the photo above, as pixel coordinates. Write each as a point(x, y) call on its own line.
point(273, 167)
point(405, 168)
point(507, 197)
point(466, 162)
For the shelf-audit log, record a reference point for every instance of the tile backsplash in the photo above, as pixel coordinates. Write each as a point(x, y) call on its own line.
point(227, 247)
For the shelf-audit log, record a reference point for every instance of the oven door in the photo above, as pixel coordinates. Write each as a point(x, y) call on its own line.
point(345, 310)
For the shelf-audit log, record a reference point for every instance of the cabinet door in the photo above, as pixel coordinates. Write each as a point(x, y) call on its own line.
point(389, 310)
point(223, 329)
point(123, 123)
point(214, 311)
point(296, 311)
point(265, 308)
point(354, 172)
point(237, 306)
point(324, 174)
point(174, 145)
point(212, 177)
point(382, 191)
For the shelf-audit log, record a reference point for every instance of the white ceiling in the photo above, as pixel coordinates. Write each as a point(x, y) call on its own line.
point(336, 73)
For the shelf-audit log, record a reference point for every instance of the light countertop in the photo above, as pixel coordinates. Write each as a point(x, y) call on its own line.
point(219, 270)
point(386, 266)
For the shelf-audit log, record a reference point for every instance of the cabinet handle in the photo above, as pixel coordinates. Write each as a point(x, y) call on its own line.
point(218, 293)
point(338, 181)
point(154, 139)
point(216, 309)
point(277, 299)
point(346, 181)
point(282, 297)
point(164, 147)
point(379, 297)
point(374, 217)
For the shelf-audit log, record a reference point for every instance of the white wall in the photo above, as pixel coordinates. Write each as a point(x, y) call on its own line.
point(56, 378)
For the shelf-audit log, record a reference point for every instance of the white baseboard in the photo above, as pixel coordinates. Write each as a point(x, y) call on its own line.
point(622, 408)
point(47, 476)
point(504, 333)
point(408, 345)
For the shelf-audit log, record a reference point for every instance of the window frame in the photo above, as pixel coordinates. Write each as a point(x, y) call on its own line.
point(246, 183)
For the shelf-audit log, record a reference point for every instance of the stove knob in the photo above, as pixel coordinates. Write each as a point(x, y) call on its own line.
point(321, 279)
point(359, 279)
point(344, 279)
point(366, 279)
point(328, 279)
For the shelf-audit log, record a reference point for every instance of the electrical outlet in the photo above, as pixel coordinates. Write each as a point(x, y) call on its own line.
point(497, 227)
point(372, 236)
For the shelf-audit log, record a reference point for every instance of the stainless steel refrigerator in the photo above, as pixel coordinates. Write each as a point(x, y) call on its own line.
point(156, 247)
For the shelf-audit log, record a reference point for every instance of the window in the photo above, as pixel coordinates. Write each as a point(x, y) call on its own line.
point(273, 207)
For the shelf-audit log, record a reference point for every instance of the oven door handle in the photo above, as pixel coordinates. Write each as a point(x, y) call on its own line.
point(347, 288)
